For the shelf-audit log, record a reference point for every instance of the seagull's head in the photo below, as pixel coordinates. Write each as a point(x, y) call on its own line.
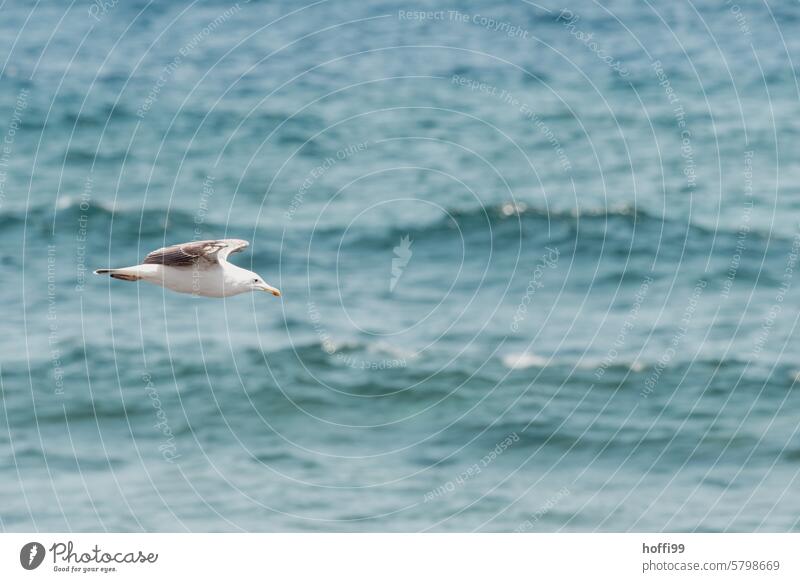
point(256, 283)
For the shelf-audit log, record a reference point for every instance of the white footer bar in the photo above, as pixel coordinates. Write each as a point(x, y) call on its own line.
point(400, 557)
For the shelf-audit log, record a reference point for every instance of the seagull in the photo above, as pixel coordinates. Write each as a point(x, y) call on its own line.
point(197, 268)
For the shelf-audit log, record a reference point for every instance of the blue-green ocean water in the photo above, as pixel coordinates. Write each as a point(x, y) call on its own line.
point(538, 263)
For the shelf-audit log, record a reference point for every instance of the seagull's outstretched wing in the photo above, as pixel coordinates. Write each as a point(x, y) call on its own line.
point(188, 254)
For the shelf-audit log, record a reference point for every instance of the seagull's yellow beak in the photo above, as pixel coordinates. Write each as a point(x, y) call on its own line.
point(269, 289)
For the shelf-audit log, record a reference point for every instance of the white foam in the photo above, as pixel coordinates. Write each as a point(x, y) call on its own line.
point(522, 361)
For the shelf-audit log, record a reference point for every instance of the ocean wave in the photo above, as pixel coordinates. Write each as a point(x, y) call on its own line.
point(640, 365)
point(525, 360)
point(623, 228)
point(618, 227)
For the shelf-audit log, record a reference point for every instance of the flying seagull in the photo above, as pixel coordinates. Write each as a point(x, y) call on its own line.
point(198, 268)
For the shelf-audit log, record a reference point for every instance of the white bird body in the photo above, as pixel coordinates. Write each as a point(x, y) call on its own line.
point(196, 268)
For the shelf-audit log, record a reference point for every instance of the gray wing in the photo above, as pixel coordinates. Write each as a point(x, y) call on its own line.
point(192, 253)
